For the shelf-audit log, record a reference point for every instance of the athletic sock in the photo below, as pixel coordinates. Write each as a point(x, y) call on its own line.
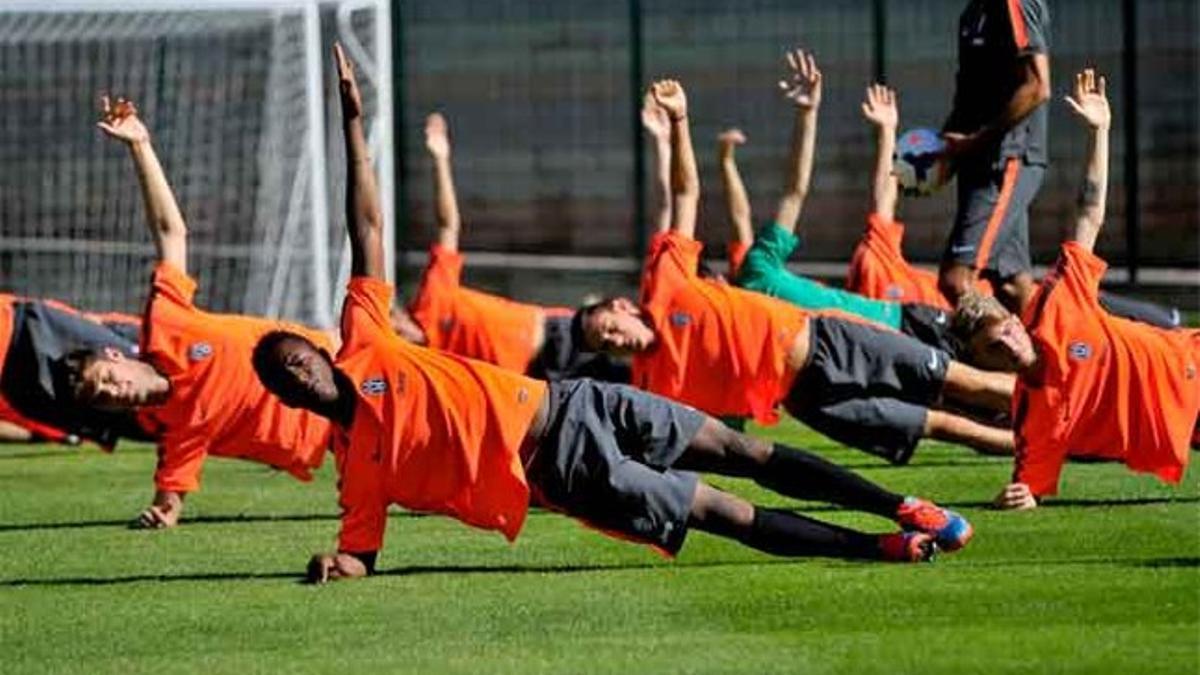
point(803, 475)
point(791, 534)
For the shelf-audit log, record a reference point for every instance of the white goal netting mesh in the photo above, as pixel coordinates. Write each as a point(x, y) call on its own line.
point(229, 98)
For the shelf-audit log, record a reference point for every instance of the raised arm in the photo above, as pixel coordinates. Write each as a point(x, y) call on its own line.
point(120, 121)
point(363, 217)
point(803, 88)
point(685, 180)
point(882, 111)
point(437, 141)
point(658, 125)
point(1090, 104)
point(736, 198)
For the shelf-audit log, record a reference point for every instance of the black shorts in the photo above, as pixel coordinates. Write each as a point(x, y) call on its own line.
point(991, 228)
point(930, 325)
point(867, 388)
point(606, 459)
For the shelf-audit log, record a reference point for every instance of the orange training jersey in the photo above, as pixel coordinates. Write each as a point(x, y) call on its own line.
point(736, 252)
point(878, 268)
point(432, 431)
point(718, 348)
point(217, 404)
point(471, 323)
point(1106, 387)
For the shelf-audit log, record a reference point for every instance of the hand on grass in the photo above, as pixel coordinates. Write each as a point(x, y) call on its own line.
point(1015, 497)
point(325, 567)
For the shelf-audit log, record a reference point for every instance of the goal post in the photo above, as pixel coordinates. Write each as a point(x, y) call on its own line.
point(239, 96)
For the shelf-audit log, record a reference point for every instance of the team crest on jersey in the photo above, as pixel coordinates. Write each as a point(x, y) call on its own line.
point(200, 351)
point(1190, 371)
point(1079, 350)
point(680, 319)
point(894, 292)
point(374, 386)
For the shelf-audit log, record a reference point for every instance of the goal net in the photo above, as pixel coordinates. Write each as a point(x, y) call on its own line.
point(239, 99)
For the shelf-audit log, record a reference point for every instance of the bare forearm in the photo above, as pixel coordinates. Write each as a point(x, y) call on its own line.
point(736, 199)
point(362, 204)
point(685, 180)
point(1093, 194)
point(163, 217)
point(662, 184)
point(447, 204)
point(883, 183)
point(800, 164)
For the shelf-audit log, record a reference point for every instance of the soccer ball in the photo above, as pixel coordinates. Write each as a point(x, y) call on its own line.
point(919, 163)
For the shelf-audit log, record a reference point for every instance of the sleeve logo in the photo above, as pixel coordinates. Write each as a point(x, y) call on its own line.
point(1079, 350)
point(894, 292)
point(374, 386)
point(200, 351)
point(680, 319)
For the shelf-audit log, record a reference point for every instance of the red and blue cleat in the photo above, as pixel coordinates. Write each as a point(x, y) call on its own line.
point(950, 530)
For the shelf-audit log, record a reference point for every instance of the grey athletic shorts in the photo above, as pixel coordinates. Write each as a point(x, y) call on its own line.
point(866, 387)
point(991, 228)
point(930, 325)
point(606, 458)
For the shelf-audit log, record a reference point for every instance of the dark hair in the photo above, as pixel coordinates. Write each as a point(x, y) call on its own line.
point(68, 371)
point(270, 370)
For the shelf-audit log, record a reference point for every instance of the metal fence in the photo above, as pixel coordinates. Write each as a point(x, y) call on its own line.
point(542, 99)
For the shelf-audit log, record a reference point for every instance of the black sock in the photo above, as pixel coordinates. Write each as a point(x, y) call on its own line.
point(803, 475)
point(791, 534)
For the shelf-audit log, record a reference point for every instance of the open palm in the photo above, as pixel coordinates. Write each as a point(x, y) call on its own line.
point(880, 107)
point(437, 136)
point(803, 85)
point(1090, 101)
point(120, 120)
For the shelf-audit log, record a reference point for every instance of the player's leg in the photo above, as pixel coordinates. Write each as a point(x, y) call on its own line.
point(1141, 310)
point(785, 533)
point(991, 209)
point(930, 325)
point(954, 428)
point(984, 389)
point(765, 271)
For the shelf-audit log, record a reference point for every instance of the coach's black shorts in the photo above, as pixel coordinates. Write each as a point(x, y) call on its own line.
point(866, 387)
point(606, 458)
point(930, 325)
point(991, 228)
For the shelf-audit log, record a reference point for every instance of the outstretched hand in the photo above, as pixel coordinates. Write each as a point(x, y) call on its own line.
point(731, 138)
point(1090, 101)
point(670, 96)
point(880, 108)
point(120, 121)
point(347, 84)
point(437, 136)
point(654, 118)
point(802, 86)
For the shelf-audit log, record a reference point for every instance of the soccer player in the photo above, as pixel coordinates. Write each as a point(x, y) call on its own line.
point(732, 352)
point(35, 336)
point(996, 143)
point(192, 383)
point(540, 341)
point(765, 267)
point(878, 268)
point(1089, 384)
point(437, 432)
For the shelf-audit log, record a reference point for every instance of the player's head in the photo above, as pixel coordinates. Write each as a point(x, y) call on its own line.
point(615, 326)
point(299, 372)
point(994, 338)
point(107, 379)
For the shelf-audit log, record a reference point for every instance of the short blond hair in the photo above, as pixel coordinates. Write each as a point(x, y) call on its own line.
point(976, 311)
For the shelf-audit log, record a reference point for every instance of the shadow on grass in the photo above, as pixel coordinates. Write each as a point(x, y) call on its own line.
point(38, 454)
point(1168, 562)
point(411, 570)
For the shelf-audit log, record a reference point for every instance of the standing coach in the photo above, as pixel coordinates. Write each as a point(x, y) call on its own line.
point(996, 142)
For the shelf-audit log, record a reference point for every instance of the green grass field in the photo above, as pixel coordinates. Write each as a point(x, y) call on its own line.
point(1104, 581)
